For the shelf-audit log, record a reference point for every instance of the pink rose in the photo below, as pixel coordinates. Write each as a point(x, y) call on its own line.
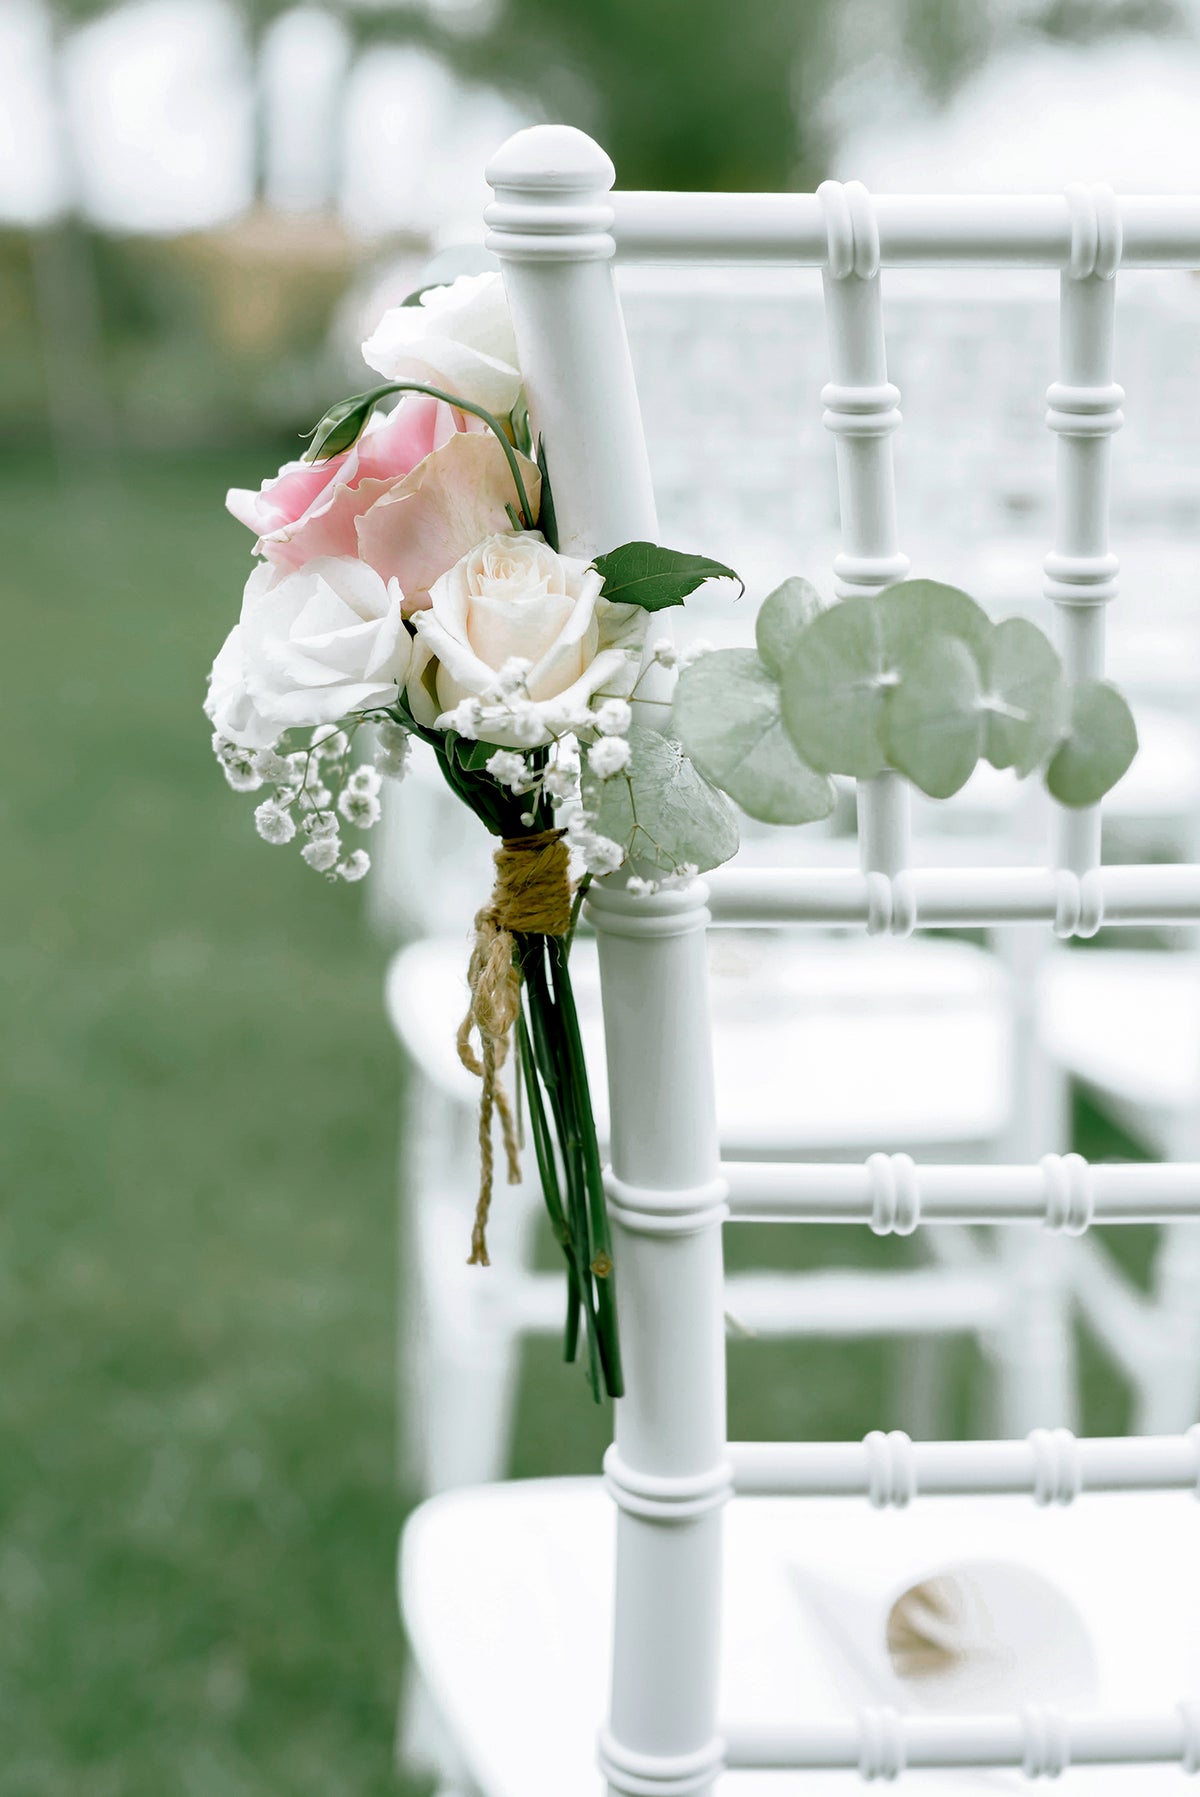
point(437, 478)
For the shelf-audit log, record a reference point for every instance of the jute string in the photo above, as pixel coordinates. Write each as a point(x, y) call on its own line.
point(531, 897)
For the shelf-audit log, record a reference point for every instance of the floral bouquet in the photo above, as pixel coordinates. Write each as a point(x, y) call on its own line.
point(411, 581)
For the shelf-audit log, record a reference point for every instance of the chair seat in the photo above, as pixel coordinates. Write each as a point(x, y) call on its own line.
point(1127, 1024)
point(830, 1043)
point(506, 1589)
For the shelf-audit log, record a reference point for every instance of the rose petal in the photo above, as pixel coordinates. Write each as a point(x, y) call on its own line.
point(417, 531)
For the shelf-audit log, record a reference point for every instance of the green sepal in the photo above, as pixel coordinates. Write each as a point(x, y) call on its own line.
point(341, 427)
point(648, 575)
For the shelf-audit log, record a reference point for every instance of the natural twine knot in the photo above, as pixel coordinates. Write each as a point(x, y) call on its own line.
point(531, 897)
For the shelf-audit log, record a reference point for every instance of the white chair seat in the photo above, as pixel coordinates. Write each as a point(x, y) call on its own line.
point(506, 1591)
point(836, 1043)
point(1127, 1025)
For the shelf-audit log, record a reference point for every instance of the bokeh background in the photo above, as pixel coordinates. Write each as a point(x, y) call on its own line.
point(202, 204)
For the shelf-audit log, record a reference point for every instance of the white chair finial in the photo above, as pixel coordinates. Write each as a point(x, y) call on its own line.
point(557, 158)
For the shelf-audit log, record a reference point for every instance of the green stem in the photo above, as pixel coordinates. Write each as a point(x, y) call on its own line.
point(548, 1174)
point(554, 1065)
point(601, 1264)
point(371, 399)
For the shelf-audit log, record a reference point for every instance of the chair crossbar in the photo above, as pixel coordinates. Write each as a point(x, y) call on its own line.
point(1052, 1466)
point(893, 1195)
point(914, 231)
point(1039, 1741)
point(956, 897)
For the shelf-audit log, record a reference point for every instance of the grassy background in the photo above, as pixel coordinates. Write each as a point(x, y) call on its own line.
point(197, 1502)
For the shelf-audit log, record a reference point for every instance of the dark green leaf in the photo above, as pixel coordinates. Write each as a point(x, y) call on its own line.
point(547, 521)
point(645, 574)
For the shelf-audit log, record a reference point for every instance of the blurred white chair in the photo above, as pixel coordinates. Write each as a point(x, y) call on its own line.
point(1125, 1024)
point(808, 1645)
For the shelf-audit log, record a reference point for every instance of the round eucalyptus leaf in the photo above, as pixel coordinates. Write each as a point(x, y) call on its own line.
point(934, 727)
point(661, 808)
point(915, 610)
point(1098, 748)
point(1027, 700)
point(833, 688)
point(782, 615)
point(727, 716)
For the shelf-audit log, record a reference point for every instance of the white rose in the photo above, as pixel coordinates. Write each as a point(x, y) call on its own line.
point(459, 338)
point(513, 597)
point(309, 648)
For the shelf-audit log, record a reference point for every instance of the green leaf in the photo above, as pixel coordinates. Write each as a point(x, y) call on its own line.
point(915, 610)
point(1026, 699)
point(341, 427)
point(645, 574)
point(833, 688)
point(1099, 746)
point(547, 520)
point(662, 809)
point(727, 716)
point(418, 293)
point(934, 725)
point(781, 617)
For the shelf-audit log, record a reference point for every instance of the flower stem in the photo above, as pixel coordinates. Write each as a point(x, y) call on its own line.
point(371, 399)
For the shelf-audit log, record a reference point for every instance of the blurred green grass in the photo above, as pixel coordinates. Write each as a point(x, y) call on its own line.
point(198, 1508)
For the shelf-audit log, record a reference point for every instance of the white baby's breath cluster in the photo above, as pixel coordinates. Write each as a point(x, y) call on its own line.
point(316, 789)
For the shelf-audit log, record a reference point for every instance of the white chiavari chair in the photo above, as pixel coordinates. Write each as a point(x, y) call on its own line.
point(766, 1644)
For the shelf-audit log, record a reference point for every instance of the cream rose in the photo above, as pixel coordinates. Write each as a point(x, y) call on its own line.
point(309, 648)
point(513, 597)
point(458, 337)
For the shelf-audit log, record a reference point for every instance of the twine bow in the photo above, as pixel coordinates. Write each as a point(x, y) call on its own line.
point(531, 897)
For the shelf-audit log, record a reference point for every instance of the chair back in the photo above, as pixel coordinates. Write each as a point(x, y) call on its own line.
point(556, 227)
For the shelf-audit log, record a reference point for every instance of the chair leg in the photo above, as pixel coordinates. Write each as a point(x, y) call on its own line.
point(458, 1344)
point(1034, 1351)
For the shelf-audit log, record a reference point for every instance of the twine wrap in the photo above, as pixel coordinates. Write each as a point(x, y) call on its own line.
point(531, 897)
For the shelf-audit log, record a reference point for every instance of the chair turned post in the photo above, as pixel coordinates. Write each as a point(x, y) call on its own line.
point(667, 1468)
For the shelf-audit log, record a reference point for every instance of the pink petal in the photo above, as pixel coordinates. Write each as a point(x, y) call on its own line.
point(285, 497)
point(454, 499)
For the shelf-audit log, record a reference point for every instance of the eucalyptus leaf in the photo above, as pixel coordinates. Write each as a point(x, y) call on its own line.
point(915, 610)
point(645, 574)
point(833, 689)
point(934, 725)
point(1026, 698)
point(1098, 748)
point(727, 716)
point(662, 809)
point(782, 615)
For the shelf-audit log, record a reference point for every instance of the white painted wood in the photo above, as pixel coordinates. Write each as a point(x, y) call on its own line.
point(894, 1196)
point(1052, 1466)
point(670, 1470)
point(1040, 1742)
point(931, 898)
point(915, 230)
